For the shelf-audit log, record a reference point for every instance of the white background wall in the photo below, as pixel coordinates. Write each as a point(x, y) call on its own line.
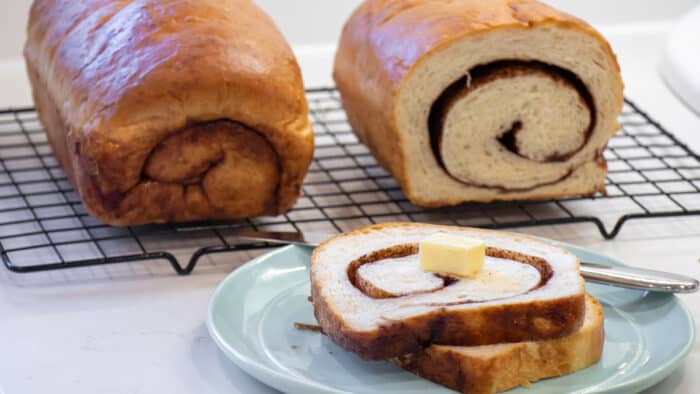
point(319, 21)
point(313, 26)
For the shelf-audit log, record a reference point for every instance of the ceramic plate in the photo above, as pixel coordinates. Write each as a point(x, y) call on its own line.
point(252, 313)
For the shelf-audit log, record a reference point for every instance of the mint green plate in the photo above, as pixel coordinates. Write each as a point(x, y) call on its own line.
point(252, 313)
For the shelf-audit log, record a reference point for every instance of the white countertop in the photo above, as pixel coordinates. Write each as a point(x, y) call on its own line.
point(140, 329)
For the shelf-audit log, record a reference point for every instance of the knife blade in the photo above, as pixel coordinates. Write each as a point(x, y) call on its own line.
point(620, 276)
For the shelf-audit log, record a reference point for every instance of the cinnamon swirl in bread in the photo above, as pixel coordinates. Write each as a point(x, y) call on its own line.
point(472, 100)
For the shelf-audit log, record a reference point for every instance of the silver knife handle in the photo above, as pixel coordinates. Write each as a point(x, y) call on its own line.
point(636, 278)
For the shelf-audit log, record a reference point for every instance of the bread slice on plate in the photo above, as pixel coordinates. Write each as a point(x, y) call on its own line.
point(371, 297)
point(493, 368)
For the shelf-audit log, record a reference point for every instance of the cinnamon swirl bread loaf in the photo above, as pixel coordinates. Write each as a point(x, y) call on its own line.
point(372, 298)
point(472, 100)
point(170, 110)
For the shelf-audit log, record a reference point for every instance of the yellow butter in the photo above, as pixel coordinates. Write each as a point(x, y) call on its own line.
point(452, 255)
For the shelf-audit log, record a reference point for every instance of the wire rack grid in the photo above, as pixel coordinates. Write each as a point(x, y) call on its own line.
point(43, 225)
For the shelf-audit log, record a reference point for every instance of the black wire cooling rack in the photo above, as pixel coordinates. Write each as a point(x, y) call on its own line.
point(43, 225)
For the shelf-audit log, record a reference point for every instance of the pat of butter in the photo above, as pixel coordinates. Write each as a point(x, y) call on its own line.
point(452, 254)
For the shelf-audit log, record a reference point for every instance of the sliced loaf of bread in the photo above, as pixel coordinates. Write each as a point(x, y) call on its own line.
point(473, 100)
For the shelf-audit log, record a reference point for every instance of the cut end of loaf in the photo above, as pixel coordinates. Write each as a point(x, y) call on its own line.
point(525, 126)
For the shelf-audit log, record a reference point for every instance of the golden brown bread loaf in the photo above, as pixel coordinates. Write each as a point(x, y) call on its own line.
point(501, 367)
point(472, 100)
point(170, 110)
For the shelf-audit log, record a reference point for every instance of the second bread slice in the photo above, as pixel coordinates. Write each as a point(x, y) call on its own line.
point(493, 368)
